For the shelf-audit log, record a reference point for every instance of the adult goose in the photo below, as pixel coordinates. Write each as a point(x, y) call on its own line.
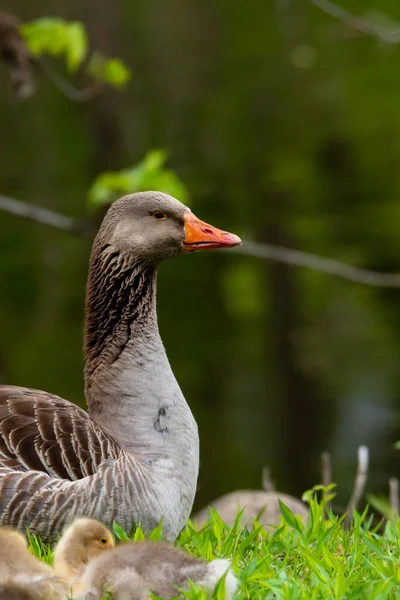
point(134, 457)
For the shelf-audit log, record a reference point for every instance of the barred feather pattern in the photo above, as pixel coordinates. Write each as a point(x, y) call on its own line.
point(134, 457)
point(46, 444)
point(56, 464)
point(43, 432)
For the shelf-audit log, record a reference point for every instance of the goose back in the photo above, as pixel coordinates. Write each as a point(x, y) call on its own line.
point(134, 457)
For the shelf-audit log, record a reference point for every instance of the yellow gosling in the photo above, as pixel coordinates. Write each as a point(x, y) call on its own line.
point(82, 541)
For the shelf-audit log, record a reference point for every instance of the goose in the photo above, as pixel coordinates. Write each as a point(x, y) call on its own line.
point(252, 502)
point(24, 576)
point(133, 570)
point(133, 458)
point(80, 542)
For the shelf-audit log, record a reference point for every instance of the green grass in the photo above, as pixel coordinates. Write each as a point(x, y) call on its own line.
point(318, 560)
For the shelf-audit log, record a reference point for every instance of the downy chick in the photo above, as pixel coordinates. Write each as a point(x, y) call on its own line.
point(133, 570)
point(81, 541)
point(13, 591)
point(22, 575)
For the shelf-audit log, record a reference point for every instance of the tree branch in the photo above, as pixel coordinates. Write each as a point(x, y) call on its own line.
point(296, 258)
point(326, 469)
point(359, 484)
point(15, 55)
point(394, 495)
point(44, 216)
point(389, 36)
point(66, 88)
point(267, 483)
point(318, 263)
point(326, 475)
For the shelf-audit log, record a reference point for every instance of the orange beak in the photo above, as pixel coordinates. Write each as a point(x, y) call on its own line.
point(201, 236)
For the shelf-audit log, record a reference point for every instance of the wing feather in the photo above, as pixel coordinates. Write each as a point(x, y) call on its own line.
point(43, 432)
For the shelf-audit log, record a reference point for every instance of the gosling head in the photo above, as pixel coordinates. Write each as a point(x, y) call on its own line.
point(91, 535)
point(11, 542)
point(81, 541)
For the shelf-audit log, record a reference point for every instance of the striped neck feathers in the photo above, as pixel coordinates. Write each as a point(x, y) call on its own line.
point(120, 300)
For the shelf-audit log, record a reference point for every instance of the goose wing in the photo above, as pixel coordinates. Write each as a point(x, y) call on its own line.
point(43, 432)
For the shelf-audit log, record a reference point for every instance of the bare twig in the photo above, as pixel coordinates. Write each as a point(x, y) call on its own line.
point(15, 55)
point(44, 216)
point(70, 91)
point(318, 263)
point(389, 36)
point(266, 251)
point(326, 473)
point(394, 495)
point(359, 483)
point(326, 469)
point(267, 483)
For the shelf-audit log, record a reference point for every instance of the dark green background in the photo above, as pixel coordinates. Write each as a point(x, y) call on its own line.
point(284, 124)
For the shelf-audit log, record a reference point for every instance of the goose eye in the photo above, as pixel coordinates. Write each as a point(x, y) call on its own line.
point(160, 216)
point(103, 541)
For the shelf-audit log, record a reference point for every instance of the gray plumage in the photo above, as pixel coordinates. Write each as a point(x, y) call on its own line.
point(12, 591)
point(253, 502)
point(133, 570)
point(134, 457)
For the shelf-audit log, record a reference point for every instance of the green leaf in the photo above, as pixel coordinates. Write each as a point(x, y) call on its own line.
point(156, 534)
point(149, 174)
point(120, 532)
point(340, 584)
point(249, 539)
point(138, 535)
point(56, 37)
point(217, 525)
point(289, 517)
point(76, 45)
point(381, 505)
point(108, 70)
point(219, 592)
point(116, 73)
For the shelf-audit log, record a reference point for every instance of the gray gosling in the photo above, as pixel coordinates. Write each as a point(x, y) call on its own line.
point(81, 541)
point(13, 591)
point(133, 570)
point(22, 576)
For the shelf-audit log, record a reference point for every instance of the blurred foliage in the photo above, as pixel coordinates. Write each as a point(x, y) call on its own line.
point(284, 124)
point(382, 505)
point(110, 70)
point(148, 174)
point(56, 38)
point(69, 40)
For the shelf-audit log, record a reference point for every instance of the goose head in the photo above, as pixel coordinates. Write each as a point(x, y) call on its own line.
point(152, 226)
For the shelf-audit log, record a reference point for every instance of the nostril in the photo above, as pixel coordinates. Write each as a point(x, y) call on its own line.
point(208, 231)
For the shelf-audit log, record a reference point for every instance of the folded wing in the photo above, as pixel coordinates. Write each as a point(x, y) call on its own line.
point(43, 432)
